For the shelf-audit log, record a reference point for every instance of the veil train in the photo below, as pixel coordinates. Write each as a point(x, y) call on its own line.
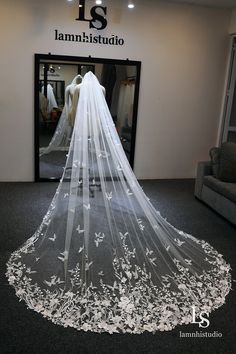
point(103, 259)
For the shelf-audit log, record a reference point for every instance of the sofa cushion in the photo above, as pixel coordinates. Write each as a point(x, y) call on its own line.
point(227, 166)
point(215, 160)
point(228, 190)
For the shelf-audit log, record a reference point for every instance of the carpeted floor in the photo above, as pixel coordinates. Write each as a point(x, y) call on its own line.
point(22, 206)
point(51, 165)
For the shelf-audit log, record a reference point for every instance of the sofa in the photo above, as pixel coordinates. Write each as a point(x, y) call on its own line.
point(215, 182)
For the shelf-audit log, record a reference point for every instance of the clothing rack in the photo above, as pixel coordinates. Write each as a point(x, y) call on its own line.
point(130, 80)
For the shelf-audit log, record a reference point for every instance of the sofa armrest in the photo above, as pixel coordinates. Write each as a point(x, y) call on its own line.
point(204, 168)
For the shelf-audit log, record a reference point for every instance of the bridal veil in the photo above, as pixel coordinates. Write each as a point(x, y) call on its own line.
point(103, 259)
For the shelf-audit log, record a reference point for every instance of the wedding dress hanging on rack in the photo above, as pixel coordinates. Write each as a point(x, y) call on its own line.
point(62, 135)
point(103, 259)
point(125, 103)
point(52, 103)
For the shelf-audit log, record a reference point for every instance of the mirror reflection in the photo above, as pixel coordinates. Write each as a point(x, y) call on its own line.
point(57, 103)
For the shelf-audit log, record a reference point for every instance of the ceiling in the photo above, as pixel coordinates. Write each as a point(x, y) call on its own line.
point(212, 3)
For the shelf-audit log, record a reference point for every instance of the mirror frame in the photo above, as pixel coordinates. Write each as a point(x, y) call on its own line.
point(92, 60)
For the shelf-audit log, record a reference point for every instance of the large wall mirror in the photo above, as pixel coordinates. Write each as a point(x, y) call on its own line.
point(53, 129)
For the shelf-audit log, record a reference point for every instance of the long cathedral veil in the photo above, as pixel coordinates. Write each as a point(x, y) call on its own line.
point(103, 258)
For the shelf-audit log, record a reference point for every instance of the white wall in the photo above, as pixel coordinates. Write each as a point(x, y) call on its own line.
point(183, 50)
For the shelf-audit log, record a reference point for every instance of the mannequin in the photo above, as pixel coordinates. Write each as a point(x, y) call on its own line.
point(75, 92)
point(69, 93)
point(70, 88)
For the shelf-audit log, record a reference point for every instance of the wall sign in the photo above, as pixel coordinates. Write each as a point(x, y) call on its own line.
point(95, 16)
point(88, 38)
point(97, 21)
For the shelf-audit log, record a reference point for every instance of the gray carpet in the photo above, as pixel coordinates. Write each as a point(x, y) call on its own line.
point(51, 165)
point(22, 206)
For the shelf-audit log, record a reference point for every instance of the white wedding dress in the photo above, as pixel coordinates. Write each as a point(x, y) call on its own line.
point(52, 103)
point(103, 259)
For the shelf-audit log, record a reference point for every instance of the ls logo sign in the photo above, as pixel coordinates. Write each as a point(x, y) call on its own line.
point(95, 16)
point(204, 323)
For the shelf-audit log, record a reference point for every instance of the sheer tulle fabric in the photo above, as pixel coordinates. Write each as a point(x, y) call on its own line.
point(52, 103)
point(103, 258)
point(62, 136)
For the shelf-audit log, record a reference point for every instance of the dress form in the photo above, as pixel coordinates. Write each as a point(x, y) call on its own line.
point(69, 93)
point(75, 93)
